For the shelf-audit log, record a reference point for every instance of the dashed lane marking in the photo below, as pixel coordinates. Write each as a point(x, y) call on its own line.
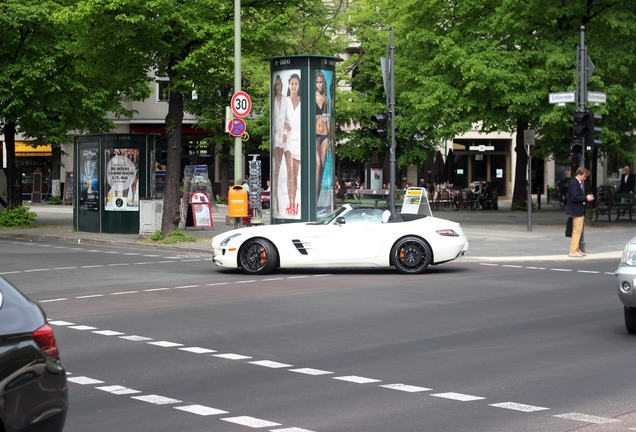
point(458, 396)
point(252, 422)
point(518, 407)
point(196, 409)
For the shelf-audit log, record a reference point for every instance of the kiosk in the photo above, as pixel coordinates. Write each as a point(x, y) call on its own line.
point(112, 173)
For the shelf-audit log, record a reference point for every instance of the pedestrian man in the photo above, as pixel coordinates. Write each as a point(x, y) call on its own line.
point(628, 181)
point(576, 208)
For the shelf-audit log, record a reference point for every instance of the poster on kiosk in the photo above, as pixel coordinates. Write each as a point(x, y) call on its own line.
point(302, 128)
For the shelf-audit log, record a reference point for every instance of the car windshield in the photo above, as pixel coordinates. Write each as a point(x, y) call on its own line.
point(326, 219)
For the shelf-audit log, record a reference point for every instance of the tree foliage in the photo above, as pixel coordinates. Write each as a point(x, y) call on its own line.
point(493, 63)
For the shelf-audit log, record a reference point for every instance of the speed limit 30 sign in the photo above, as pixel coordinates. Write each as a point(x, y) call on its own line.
point(241, 104)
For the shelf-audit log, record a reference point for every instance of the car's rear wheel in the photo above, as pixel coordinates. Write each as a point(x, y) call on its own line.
point(411, 255)
point(258, 256)
point(630, 320)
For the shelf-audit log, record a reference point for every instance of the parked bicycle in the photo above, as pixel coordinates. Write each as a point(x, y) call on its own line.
point(557, 196)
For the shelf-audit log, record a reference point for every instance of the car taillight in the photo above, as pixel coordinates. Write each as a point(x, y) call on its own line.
point(45, 339)
point(447, 233)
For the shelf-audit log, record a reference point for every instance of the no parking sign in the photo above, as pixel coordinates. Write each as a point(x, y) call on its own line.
point(236, 127)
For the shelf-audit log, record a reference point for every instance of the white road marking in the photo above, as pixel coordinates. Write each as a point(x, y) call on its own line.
point(82, 380)
point(54, 300)
point(83, 327)
point(64, 268)
point(108, 333)
point(231, 356)
point(118, 390)
point(588, 271)
point(156, 289)
point(123, 293)
point(135, 338)
point(36, 270)
point(165, 344)
point(406, 388)
point(61, 323)
point(187, 286)
point(89, 296)
point(250, 422)
point(270, 364)
point(197, 350)
point(511, 266)
point(200, 410)
point(561, 270)
point(310, 371)
point(293, 429)
point(356, 379)
point(518, 407)
point(458, 396)
point(118, 264)
point(586, 418)
point(92, 266)
point(156, 399)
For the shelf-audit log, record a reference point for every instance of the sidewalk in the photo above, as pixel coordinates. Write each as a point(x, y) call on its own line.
point(499, 235)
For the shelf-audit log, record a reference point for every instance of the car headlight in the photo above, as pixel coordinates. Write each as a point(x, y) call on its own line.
point(227, 240)
point(629, 255)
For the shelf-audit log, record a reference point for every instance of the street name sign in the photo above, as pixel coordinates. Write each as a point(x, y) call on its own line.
point(562, 98)
point(596, 97)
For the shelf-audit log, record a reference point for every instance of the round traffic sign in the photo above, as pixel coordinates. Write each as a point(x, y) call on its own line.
point(236, 127)
point(241, 104)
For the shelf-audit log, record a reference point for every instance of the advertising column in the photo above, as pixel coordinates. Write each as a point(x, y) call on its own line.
point(302, 127)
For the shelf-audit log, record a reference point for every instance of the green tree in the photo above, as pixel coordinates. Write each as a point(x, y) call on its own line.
point(492, 63)
point(44, 90)
point(495, 62)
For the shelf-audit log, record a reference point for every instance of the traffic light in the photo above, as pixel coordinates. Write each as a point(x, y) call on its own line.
point(591, 131)
point(578, 132)
point(381, 130)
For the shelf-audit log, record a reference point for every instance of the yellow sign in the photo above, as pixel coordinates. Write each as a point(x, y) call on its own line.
point(24, 149)
point(246, 136)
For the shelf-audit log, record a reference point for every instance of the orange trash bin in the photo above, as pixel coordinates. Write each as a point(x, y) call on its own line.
point(237, 201)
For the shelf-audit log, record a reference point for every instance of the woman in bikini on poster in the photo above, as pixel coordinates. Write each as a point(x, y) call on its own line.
point(291, 140)
point(322, 129)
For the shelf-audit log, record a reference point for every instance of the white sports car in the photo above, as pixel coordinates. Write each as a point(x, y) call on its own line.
point(348, 237)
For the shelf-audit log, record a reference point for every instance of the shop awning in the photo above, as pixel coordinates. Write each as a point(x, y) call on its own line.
point(23, 149)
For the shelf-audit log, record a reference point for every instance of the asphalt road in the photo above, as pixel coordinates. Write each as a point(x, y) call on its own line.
point(164, 341)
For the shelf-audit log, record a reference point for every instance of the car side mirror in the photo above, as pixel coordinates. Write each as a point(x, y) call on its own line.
point(340, 220)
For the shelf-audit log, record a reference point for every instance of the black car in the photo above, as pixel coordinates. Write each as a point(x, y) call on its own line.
point(33, 391)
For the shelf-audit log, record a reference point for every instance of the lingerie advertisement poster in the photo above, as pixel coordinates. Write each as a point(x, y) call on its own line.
point(324, 87)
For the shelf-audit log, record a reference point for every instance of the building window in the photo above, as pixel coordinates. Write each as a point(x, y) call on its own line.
point(163, 94)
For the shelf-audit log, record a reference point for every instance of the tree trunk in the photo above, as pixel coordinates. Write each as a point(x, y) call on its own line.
point(520, 187)
point(174, 122)
point(225, 177)
point(14, 195)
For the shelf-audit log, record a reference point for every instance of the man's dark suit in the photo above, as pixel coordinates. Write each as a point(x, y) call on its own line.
point(627, 186)
point(576, 199)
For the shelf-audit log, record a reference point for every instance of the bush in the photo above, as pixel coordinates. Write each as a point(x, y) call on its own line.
point(17, 217)
point(178, 236)
point(54, 200)
point(156, 236)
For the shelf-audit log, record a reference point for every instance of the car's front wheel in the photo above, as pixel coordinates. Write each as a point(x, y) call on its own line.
point(630, 320)
point(411, 255)
point(258, 256)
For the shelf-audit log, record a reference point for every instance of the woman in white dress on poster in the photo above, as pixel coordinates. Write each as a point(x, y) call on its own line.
point(291, 140)
point(278, 125)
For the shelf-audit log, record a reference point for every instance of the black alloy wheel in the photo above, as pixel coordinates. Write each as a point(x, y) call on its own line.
point(411, 255)
point(258, 256)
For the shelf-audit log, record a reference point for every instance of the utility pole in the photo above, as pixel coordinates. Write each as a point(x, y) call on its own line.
point(238, 141)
